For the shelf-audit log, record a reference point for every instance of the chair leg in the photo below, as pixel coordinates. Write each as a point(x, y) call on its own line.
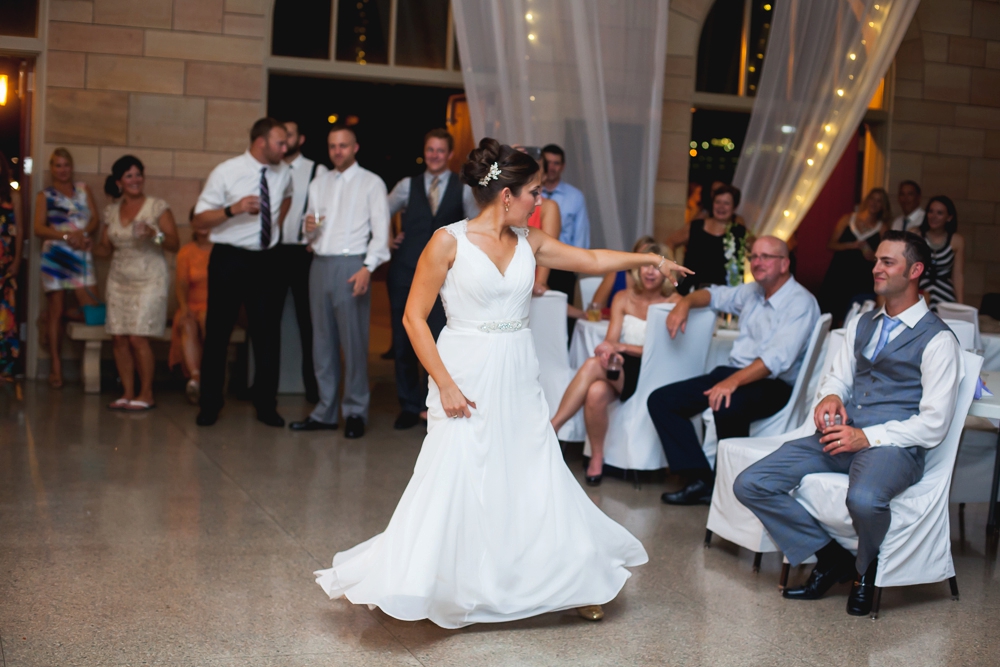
point(953, 582)
point(756, 562)
point(961, 523)
point(783, 582)
point(877, 602)
point(708, 539)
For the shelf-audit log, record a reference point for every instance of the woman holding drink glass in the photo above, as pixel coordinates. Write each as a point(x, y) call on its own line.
point(613, 371)
point(137, 229)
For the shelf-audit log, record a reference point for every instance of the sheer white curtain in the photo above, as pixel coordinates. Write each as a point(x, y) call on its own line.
point(584, 74)
point(824, 63)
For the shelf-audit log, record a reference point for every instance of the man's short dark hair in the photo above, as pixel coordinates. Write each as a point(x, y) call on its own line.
point(262, 127)
point(441, 133)
point(555, 150)
point(915, 250)
point(295, 122)
point(343, 127)
point(912, 184)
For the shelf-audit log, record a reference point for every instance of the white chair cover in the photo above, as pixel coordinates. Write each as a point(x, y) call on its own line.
point(959, 311)
point(964, 331)
point(852, 312)
point(866, 306)
point(798, 403)
point(547, 320)
point(917, 548)
point(588, 286)
point(632, 442)
point(977, 452)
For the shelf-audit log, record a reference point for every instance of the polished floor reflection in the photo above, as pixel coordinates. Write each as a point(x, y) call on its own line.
point(145, 540)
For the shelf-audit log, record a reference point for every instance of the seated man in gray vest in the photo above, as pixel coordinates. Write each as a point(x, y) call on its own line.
point(429, 201)
point(887, 399)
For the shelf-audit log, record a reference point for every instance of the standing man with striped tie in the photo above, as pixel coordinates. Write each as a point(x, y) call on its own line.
point(243, 205)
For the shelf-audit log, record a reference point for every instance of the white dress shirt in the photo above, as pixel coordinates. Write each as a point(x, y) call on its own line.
point(774, 330)
point(913, 221)
point(235, 179)
point(941, 370)
point(400, 195)
point(301, 168)
point(356, 210)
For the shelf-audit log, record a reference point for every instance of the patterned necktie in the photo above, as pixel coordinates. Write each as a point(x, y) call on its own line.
point(888, 324)
point(265, 211)
point(433, 195)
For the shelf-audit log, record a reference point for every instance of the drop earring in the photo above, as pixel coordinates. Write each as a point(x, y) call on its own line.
point(506, 207)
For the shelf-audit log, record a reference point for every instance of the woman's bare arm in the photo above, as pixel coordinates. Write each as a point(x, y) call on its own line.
point(555, 255)
point(603, 291)
point(169, 228)
point(551, 225)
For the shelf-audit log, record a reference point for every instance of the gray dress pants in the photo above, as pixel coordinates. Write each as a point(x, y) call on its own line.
point(340, 323)
point(877, 475)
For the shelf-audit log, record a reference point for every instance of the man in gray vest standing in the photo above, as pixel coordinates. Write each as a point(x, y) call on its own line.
point(887, 399)
point(429, 201)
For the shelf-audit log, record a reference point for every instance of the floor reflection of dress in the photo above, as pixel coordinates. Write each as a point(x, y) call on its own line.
point(492, 526)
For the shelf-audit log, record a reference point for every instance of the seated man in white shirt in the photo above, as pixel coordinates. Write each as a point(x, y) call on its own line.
point(243, 204)
point(348, 227)
point(887, 399)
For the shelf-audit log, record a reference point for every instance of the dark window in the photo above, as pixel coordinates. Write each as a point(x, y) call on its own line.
point(716, 141)
point(19, 18)
point(719, 49)
point(761, 14)
point(422, 33)
point(363, 31)
point(301, 29)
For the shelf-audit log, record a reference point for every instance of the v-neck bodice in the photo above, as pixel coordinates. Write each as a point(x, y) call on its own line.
point(475, 289)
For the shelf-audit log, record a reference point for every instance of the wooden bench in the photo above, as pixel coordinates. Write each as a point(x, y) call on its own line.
point(94, 336)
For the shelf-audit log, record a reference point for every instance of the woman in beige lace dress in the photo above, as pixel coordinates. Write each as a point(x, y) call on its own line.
point(137, 229)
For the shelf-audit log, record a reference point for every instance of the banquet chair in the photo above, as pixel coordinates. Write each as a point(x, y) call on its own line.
point(964, 331)
point(917, 548)
point(959, 311)
point(588, 286)
point(727, 516)
point(547, 320)
point(632, 442)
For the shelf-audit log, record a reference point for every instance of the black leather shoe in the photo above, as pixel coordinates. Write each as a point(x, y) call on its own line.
point(698, 492)
point(206, 418)
point(822, 578)
point(406, 420)
point(310, 424)
point(859, 602)
point(271, 418)
point(354, 428)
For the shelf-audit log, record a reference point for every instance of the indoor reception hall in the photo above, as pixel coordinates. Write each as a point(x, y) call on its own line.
point(499, 332)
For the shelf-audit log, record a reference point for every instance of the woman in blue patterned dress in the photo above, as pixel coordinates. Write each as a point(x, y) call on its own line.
point(66, 220)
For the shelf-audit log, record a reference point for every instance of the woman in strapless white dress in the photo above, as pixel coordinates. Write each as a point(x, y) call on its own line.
point(594, 387)
point(492, 526)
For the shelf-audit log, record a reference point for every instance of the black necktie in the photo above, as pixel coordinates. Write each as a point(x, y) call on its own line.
point(265, 211)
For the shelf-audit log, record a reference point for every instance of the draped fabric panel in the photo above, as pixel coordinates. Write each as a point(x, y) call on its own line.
point(584, 74)
point(824, 63)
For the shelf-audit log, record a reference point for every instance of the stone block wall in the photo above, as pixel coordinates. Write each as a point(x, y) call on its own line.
point(945, 131)
point(175, 82)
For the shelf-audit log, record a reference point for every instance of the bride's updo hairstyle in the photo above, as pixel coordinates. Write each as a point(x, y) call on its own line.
point(516, 170)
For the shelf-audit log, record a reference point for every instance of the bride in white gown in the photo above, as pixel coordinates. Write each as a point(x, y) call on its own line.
point(492, 526)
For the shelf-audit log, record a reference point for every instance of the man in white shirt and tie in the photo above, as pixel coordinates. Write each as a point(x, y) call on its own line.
point(293, 251)
point(909, 201)
point(243, 204)
point(348, 227)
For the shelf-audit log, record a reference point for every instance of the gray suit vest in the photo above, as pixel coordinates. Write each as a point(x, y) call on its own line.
point(889, 387)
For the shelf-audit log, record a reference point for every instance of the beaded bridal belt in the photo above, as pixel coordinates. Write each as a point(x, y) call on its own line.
point(493, 326)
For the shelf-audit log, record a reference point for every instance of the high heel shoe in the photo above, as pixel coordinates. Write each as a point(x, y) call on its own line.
point(592, 612)
point(594, 480)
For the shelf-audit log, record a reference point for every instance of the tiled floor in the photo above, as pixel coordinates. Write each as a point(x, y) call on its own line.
point(144, 540)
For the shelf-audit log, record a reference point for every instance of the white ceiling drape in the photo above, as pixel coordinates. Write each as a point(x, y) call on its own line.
point(824, 63)
point(584, 74)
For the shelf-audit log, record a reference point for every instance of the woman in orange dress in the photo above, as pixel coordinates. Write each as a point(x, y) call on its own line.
point(188, 332)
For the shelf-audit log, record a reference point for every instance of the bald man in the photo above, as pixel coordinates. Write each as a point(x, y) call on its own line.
point(777, 316)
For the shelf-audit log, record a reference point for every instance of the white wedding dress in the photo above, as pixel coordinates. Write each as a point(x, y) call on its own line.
point(492, 526)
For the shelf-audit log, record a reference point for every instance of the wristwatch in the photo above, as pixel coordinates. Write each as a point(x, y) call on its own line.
point(228, 211)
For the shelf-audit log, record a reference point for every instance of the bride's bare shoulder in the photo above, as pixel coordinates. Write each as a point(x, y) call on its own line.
point(443, 244)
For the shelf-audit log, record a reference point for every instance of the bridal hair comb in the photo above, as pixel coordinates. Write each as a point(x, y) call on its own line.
point(493, 175)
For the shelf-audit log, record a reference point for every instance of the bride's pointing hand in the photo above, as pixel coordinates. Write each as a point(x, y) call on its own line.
point(455, 403)
point(667, 266)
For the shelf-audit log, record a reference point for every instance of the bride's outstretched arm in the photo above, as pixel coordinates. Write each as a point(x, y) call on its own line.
point(555, 255)
point(432, 269)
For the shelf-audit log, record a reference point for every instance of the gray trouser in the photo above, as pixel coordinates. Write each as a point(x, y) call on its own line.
point(340, 322)
point(877, 475)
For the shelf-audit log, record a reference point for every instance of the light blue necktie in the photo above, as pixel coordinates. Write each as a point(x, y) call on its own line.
point(888, 324)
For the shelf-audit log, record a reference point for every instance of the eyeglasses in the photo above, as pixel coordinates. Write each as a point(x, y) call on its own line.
point(764, 257)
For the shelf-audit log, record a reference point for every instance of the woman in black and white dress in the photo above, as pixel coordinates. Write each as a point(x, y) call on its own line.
point(945, 281)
